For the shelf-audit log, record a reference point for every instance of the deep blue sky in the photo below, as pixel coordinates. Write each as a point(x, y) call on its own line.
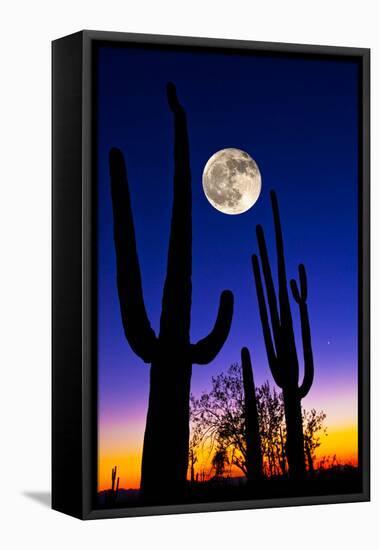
point(298, 119)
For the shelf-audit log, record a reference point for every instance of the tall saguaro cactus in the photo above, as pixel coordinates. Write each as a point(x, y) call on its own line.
point(254, 460)
point(280, 339)
point(170, 354)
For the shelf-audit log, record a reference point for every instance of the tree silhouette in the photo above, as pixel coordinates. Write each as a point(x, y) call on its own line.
point(194, 444)
point(218, 421)
point(219, 416)
point(222, 419)
point(171, 354)
point(313, 423)
point(227, 418)
point(220, 461)
point(280, 341)
point(272, 429)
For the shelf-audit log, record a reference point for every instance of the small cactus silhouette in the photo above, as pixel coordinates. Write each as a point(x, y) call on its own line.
point(170, 354)
point(112, 493)
point(280, 339)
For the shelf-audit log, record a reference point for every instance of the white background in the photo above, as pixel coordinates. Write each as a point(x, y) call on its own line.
point(26, 31)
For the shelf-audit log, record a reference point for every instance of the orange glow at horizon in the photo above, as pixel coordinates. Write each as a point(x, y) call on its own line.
point(341, 441)
point(128, 469)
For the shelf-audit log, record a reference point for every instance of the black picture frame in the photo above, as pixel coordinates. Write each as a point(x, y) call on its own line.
point(74, 407)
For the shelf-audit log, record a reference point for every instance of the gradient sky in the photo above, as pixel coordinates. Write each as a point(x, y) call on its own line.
point(298, 119)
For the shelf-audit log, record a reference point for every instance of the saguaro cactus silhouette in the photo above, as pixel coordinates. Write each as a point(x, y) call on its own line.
point(280, 341)
point(170, 354)
point(112, 493)
point(254, 463)
point(114, 483)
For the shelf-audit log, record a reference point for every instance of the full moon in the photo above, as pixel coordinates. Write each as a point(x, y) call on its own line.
point(232, 181)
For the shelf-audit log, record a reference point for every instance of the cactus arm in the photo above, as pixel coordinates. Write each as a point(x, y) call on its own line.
point(271, 297)
point(270, 349)
point(113, 477)
point(303, 294)
point(285, 310)
point(205, 350)
point(279, 244)
point(176, 301)
point(301, 299)
point(137, 328)
point(288, 335)
point(307, 353)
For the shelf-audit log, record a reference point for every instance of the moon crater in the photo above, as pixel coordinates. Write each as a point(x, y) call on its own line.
point(231, 181)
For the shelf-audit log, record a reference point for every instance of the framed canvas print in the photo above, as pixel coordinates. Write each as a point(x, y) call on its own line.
point(210, 275)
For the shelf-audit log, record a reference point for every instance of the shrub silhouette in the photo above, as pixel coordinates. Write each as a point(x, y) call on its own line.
point(280, 341)
point(170, 354)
